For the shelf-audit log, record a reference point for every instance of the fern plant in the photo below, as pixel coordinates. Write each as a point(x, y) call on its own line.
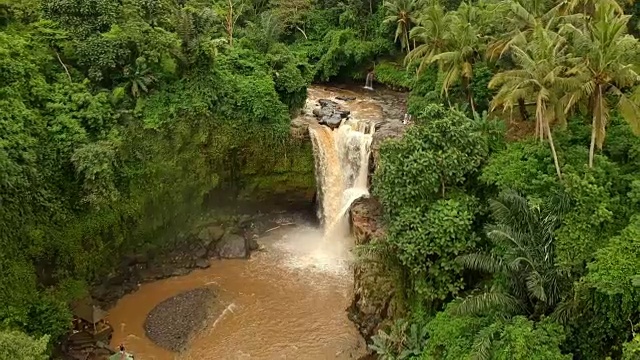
point(404, 341)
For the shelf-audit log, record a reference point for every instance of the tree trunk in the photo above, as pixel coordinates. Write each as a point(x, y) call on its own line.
point(406, 38)
point(598, 115)
point(523, 110)
point(303, 33)
point(64, 66)
point(467, 85)
point(540, 115)
point(230, 23)
point(553, 151)
point(592, 148)
point(473, 106)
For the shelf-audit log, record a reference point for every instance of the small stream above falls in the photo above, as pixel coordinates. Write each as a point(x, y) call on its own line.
point(289, 300)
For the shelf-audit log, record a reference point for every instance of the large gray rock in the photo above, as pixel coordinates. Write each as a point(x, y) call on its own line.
point(202, 263)
point(210, 234)
point(330, 113)
point(232, 246)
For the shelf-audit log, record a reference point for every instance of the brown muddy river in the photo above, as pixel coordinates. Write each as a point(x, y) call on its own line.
point(286, 302)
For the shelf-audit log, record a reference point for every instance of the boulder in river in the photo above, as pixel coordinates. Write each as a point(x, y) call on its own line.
point(232, 246)
point(330, 113)
point(202, 263)
point(172, 322)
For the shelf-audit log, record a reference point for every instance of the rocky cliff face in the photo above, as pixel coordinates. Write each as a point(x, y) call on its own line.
point(370, 304)
point(373, 298)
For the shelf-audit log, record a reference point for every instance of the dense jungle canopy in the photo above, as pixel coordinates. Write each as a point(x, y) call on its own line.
point(512, 206)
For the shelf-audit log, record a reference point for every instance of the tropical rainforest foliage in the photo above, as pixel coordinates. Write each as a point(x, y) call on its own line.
point(120, 120)
point(520, 244)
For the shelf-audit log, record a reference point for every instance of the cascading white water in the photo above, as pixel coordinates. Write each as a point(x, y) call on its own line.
point(342, 169)
point(368, 83)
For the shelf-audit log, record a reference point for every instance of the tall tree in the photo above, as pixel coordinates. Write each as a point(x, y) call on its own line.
point(523, 17)
point(430, 33)
point(17, 345)
point(588, 7)
point(292, 13)
point(541, 76)
point(231, 12)
point(606, 71)
point(404, 14)
point(463, 48)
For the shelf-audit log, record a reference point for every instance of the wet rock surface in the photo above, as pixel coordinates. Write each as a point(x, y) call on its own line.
point(330, 113)
point(172, 322)
point(232, 246)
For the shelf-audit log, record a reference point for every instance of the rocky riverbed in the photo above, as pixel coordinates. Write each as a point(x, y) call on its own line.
point(208, 241)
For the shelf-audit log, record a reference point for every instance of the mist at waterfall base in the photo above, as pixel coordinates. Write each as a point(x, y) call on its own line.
point(342, 163)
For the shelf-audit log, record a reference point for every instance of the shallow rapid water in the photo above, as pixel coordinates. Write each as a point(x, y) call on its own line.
point(287, 302)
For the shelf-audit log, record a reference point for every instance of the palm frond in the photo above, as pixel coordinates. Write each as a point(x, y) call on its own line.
point(475, 304)
point(480, 262)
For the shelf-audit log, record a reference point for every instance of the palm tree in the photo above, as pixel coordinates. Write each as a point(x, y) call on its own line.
point(524, 16)
point(606, 71)
point(524, 238)
point(541, 75)
point(431, 33)
point(403, 13)
point(454, 46)
point(588, 7)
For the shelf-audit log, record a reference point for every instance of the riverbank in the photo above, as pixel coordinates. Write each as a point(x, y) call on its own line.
point(213, 238)
point(300, 263)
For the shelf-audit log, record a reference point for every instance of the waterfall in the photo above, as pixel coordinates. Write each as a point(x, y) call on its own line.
point(342, 169)
point(368, 83)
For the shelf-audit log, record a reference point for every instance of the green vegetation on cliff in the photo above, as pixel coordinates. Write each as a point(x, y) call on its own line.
point(519, 249)
point(120, 120)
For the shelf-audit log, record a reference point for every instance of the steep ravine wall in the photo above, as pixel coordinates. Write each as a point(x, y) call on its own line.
point(227, 223)
point(368, 307)
point(371, 304)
